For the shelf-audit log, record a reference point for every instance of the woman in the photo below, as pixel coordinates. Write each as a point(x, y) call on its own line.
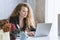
point(22, 17)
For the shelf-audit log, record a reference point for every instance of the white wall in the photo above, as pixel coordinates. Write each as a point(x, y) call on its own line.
point(7, 6)
point(52, 9)
point(49, 10)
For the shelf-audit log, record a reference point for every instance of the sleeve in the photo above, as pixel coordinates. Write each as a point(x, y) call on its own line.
point(14, 20)
point(32, 29)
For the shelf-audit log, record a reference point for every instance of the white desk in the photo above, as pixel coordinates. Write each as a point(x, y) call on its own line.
point(36, 38)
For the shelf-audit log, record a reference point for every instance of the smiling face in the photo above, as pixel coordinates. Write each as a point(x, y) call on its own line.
point(23, 12)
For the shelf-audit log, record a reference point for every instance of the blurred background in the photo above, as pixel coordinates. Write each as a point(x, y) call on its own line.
point(38, 6)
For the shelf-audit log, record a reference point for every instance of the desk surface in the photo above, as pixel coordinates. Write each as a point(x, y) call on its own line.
point(36, 38)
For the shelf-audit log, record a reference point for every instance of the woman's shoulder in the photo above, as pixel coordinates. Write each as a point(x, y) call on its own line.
point(14, 17)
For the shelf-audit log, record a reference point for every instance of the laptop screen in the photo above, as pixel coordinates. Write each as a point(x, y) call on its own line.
point(43, 29)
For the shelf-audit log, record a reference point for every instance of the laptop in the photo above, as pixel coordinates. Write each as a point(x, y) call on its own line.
point(43, 29)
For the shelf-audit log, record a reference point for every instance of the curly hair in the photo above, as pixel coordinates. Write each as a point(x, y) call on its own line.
point(30, 18)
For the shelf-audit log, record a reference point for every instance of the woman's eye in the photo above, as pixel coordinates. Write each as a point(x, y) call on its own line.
point(23, 11)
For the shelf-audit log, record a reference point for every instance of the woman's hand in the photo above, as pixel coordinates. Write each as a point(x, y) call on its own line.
point(31, 33)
